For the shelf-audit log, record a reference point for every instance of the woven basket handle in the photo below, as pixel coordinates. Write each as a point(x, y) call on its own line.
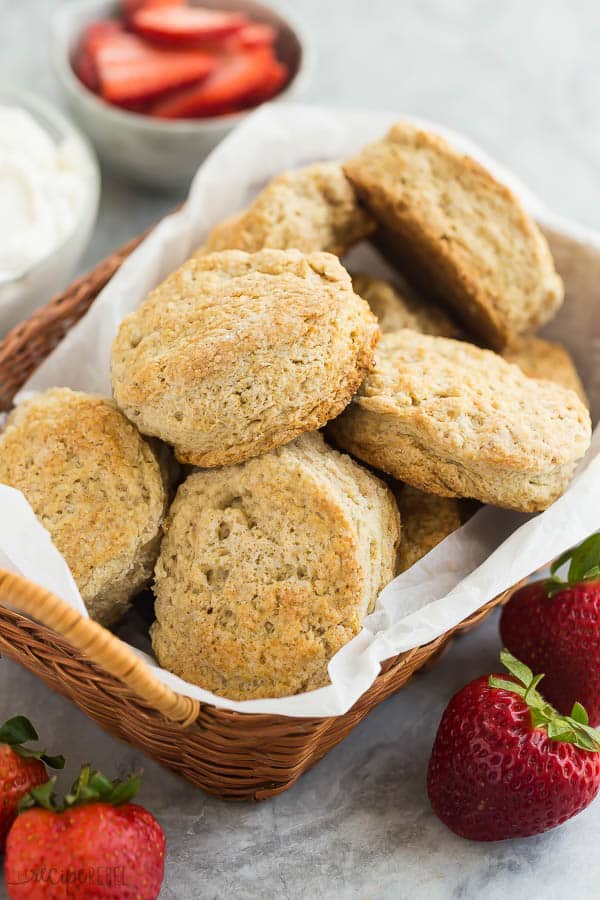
point(98, 645)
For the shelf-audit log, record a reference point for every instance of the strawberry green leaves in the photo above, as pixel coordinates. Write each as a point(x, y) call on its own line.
point(584, 565)
point(573, 729)
point(18, 731)
point(91, 786)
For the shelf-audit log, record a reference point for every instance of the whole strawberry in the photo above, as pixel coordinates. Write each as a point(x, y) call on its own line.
point(96, 844)
point(554, 627)
point(505, 764)
point(21, 769)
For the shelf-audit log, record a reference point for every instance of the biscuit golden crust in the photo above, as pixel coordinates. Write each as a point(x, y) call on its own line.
point(96, 485)
point(396, 309)
point(545, 359)
point(267, 568)
point(458, 233)
point(310, 209)
point(454, 420)
point(236, 353)
point(426, 520)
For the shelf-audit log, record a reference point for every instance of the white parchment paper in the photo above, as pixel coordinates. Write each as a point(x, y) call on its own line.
point(495, 549)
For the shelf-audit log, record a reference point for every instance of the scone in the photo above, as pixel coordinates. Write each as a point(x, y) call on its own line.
point(458, 233)
point(454, 420)
point(308, 209)
point(237, 353)
point(544, 359)
point(96, 485)
point(267, 568)
point(426, 520)
point(395, 309)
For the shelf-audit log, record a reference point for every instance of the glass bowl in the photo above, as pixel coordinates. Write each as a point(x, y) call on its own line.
point(25, 291)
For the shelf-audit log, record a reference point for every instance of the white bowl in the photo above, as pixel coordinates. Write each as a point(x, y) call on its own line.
point(34, 286)
point(162, 153)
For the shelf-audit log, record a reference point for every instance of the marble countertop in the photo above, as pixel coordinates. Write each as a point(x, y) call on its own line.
point(521, 80)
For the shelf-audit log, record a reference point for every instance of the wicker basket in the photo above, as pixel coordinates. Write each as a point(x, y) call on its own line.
point(233, 755)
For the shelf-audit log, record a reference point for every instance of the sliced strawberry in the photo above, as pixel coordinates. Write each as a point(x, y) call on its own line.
point(93, 37)
point(275, 79)
point(236, 76)
point(255, 34)
point(86, 71)
point(97, 33)
point(130, 71)
point(131, 6)
point(185, 25)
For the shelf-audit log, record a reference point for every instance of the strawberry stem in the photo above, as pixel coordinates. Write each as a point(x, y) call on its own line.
point(18, 731)
point(91, 786)
point(573, 729)
point(584, 565)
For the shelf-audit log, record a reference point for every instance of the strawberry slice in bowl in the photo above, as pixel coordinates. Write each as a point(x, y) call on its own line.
point(185, 25)
point(131, 71)
point(93, 37)
point(236, 77)
point(129, 7)
point(255, 34)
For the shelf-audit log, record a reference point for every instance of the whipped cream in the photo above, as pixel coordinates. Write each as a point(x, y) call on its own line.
point(41, 192)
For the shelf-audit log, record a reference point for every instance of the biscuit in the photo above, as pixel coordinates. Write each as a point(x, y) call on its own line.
point(452, 419)
point(457, 233)
point(97, 487)
point(426, 520)
point(237, 353)
point(267, 568)
point(396, 309)
point(545, 359)
point(310, 209)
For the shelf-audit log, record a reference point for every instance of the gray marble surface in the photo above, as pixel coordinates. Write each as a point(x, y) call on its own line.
point(522, 79)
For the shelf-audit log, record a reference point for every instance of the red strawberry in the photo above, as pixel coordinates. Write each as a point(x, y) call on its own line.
point(274, 80)
point(21, 769)
point(554, 627)
point(131, 71)
point(505, 764)
point(94, 36)
point(96, 844)
point(131, 6)
point(185, 25)
point(86, 71)
point(236, 77)
point(255, 34)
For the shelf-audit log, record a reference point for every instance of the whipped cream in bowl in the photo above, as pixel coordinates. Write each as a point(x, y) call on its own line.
point(49, 189)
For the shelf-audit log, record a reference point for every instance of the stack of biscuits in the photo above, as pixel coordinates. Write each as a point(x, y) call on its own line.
point(274, 420)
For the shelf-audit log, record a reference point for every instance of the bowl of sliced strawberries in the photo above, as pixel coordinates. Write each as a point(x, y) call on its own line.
point(156, 84)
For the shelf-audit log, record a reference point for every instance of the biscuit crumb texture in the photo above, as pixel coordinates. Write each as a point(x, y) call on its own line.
point(236, 353)
point(267, 568)
point(546, 359)
point(397, 309)
point(309, 209)
point(426, 520)
point(97, 487)
point(457, 233)
point(454, 420)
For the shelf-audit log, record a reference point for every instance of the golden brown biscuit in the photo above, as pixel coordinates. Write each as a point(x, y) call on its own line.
point(396, 310)
point(308, 209)
point(267, 568)
point(458, 233)
point(237, 353)
point(426, 520)
point(96, 485)
point(548, 360)
point(454, 420)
